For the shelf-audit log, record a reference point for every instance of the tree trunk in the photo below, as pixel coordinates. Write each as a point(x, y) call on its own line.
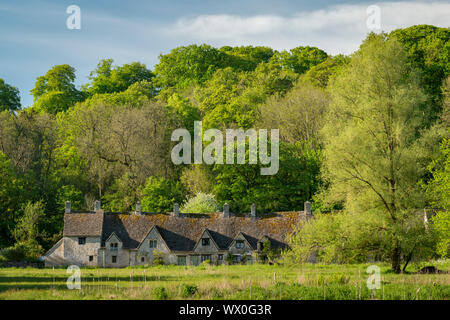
point(396, 259)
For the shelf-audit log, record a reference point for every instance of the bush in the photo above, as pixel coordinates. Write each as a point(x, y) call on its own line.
point(22, 251)
point(189, 290)
point(201, 203)
point(161, 293)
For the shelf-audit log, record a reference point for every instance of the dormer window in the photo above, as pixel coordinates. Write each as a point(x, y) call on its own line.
point(114, 246)
point(82, 240)
point(205, 242)
point(240, 244)
point(153, 243)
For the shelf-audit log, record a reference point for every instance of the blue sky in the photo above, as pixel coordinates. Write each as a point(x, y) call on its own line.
point(34, 36)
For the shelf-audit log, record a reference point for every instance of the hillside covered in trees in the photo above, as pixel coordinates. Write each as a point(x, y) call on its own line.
point(365, 135)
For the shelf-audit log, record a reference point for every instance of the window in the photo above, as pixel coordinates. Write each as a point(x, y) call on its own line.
point(236, 258)
point(114, 259)
point(205, 242)
point(194, 260)
point(114, 246)
point(153, 243)
point(240, 244)
point(206, 257)
point(82, 240)
point(91, 258)
point(181, 260)
point(142, 259)
point(220, 257)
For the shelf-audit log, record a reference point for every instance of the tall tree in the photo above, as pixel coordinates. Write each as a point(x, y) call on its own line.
point(55, 91)
point(378, 111)
point(9, 97)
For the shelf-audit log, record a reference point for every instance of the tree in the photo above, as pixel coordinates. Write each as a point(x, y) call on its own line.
point(55, 91)
point(10, 199)
point(159, 194)
point(108, 79)
point(9, 97)
point(299, 59)
point(201, 203)
point(185, 66)
point(428, 49)
point(196, 179)
point(296, 181)
point(299, 115)
point(320, 74)
point(438, 189)
point(378, 111)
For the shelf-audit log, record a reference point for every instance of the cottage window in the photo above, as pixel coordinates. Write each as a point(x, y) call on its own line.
point(114, 259)
point(142, 259)
point(236, 258)
point(220, 257)
point(205, 242)
point(153, 243)
point(91, 258)
point(114, 246)
point(82, 240)
point(206, 257)
point(181, 260)
point(240, 244)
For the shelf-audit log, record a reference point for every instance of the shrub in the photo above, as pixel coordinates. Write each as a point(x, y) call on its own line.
point(161, 293)
point(189, 290)
point(158, 258)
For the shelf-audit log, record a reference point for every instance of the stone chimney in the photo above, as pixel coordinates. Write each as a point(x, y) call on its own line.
point(308, 211)
point(68, 207)
point(138, 208)
point(97, 205)
point(176, 210)
point(226, 210)
point(253, 211)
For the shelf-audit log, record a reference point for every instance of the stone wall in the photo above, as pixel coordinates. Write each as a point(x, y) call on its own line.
point(78, 254)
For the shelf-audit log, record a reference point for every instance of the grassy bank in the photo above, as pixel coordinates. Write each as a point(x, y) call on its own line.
point(225, 282)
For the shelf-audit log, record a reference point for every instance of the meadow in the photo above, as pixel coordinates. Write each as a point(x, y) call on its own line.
point(303, 282)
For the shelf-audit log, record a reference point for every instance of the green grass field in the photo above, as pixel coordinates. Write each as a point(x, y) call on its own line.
point(225, 282)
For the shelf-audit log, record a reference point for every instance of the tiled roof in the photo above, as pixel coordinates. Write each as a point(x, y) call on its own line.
point(83, 224)
point(182, 233)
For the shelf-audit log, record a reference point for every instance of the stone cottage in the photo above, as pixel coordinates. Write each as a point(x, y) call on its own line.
point(107, 239)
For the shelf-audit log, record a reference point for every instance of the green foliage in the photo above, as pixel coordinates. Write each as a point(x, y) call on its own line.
point(9, 97)
point(185, 66)
point(27, 228)
point(378, 112)
point(296, 181)
point(161, 293)
point(201, 203)
point(438, 190)
point(159, 194)
point(320, 74)
point(299, 59)
point(428, 49)
point(108, 79)
point(11, 195)
point(158, 258)
point(56, 92)
point(196, 179)
point(189, 290)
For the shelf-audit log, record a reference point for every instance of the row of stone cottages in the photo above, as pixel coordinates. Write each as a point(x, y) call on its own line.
point(107, 239)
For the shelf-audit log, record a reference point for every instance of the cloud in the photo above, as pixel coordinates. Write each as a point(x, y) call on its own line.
point(337, 29)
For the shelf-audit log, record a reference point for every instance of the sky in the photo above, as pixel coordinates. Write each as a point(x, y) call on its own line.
point(34, 36)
